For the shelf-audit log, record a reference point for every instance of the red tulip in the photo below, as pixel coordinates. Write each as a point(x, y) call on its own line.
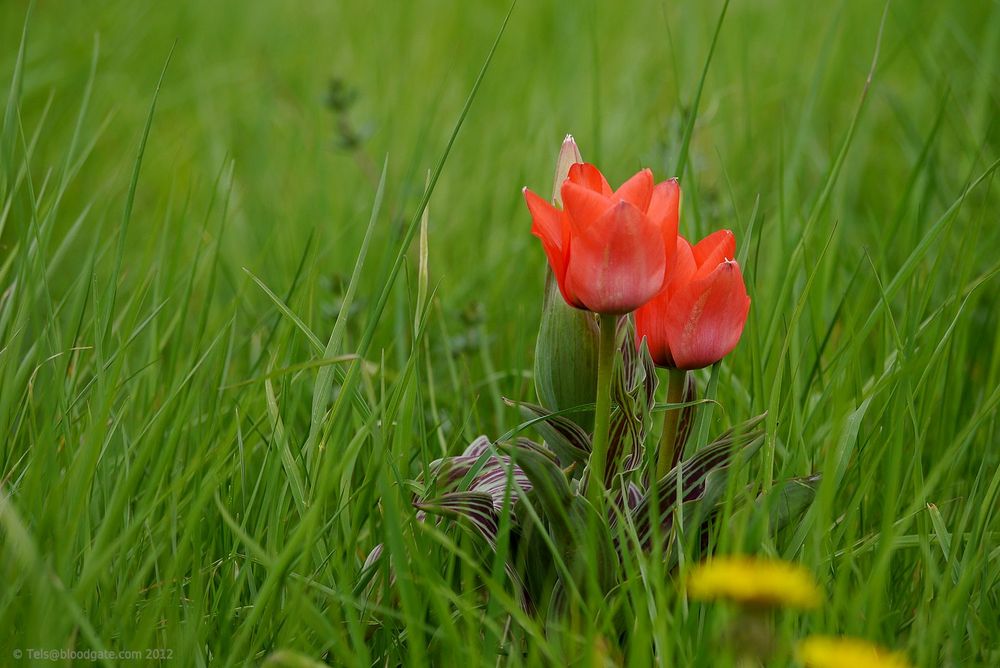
point(609, 250)
point(698, 317)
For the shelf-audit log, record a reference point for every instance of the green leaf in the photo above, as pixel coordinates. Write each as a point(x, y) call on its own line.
point(788, 501)
point(566, 347)
point(566, 357)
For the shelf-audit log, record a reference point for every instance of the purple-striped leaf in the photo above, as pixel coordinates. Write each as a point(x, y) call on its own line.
point(566, 438)
point(475, 507)
point(693, 479)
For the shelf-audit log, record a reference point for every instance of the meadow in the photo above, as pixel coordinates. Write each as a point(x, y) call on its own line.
point(262, 263)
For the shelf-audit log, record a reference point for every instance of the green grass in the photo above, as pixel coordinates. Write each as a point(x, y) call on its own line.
point(217, 377)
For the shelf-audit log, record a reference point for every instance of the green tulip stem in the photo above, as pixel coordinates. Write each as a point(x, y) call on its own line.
point(668, 439)
point(602, 411)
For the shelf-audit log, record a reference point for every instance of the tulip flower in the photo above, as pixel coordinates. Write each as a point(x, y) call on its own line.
point(698, 317)
point(695, 321)
point(609, 250)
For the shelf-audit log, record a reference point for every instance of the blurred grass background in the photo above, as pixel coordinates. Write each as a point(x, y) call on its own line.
point(127, 424)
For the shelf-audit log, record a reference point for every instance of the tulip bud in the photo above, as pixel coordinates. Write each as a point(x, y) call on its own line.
point(566, 349)
point(569, 155)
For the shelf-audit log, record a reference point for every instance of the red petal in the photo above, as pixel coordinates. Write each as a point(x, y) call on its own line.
point(706, 317)
point(546, 220)
point(714, 249)
point(583, 205)
point(637, 190)
point(681, 268)
point(590, 177)
point(664, 205)
point(613, 267)
point(548, 224)
point(651, 319)
point(651, 323)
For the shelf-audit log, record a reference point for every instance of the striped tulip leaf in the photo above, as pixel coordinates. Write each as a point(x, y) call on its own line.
point(475, 507)
point(699, 478)
point(564, 436)
point(478, 469)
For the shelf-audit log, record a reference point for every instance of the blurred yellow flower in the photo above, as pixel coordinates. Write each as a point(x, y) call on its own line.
point(754, 581)
point(830, 652)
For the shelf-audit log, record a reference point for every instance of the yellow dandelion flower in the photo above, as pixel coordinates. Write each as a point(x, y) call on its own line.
point(830, 652)
point(754, 581)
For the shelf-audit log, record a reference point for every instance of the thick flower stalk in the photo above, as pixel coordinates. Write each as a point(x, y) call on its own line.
point(757, 585)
